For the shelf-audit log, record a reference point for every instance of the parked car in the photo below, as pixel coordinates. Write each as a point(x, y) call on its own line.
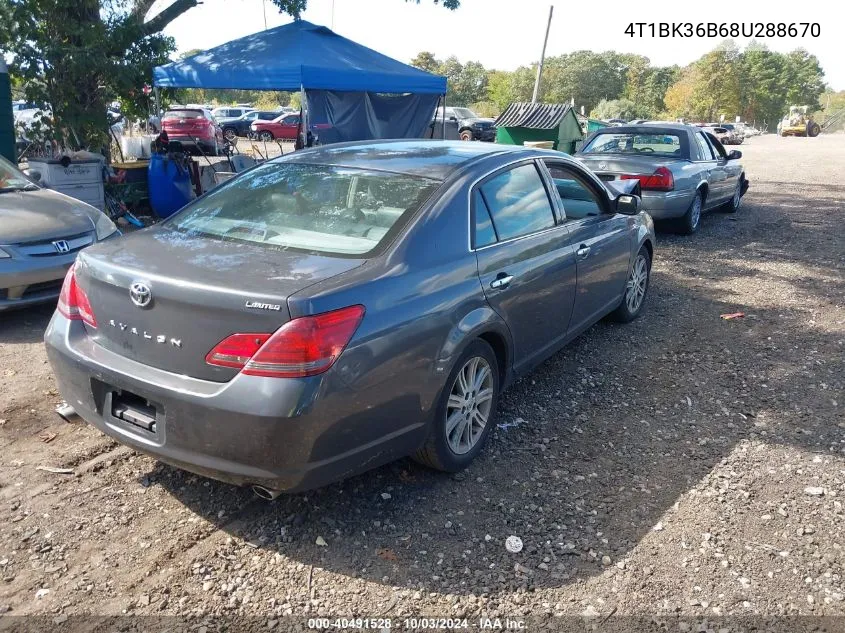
point(230, 112)
point(295, 326)
point(284, 126)
point(464, 124)
point(683, 170)
point(41, 233)
point(194, 128)
point(241, 126)
point(735, 134)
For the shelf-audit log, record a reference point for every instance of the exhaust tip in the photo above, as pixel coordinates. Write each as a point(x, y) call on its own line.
point(267, 494)
point(67, 412)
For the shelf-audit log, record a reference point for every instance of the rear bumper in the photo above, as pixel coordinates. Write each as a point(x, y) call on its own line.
point(666, 205)
point(190, 142)
point(285, 434)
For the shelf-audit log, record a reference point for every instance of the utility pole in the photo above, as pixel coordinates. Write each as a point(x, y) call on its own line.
point(542, 57)
point(264, 6)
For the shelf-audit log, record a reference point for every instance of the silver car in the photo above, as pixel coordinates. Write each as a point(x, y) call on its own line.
point(683, 171)
point(41, 232)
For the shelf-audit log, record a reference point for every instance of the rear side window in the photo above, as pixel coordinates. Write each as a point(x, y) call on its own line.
point(485, 234)
point(518, 202)
point(703, 146)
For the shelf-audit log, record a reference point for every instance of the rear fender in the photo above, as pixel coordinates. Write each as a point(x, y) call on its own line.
point(481, 320)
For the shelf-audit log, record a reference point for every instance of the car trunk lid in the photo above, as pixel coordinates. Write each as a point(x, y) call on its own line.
point(609, 167)
point(201, 290)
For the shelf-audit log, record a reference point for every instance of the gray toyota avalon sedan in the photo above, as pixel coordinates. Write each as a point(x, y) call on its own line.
point(338, 308)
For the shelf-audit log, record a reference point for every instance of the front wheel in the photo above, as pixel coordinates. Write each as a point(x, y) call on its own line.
point(466, 411)
point(466, 135)
point(265, 136)
point(230, 134)
point(636, 289)
point(813, 129)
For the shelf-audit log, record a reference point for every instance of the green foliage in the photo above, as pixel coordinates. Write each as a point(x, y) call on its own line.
point(757, 84)
point(615, 109)
point(72, 57)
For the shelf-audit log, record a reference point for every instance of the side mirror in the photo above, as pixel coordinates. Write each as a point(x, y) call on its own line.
point(34, 176)
point(453, 118)
point(628, 205)
point(735, 154)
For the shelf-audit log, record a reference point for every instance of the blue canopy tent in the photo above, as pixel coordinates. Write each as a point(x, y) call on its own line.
point(352, 92)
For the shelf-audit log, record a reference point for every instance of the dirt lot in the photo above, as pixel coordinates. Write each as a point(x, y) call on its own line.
point(682, 465)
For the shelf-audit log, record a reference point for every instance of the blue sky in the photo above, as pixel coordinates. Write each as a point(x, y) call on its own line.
point(505, 34)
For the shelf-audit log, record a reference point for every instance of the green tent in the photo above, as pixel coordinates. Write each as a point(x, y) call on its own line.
point(521, 122)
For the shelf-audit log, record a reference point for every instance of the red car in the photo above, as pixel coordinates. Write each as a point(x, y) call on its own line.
point(285, 126)
point(194, 128)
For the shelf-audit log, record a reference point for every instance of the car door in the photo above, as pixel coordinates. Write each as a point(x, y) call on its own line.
point(525, 262)
point(715, 170)
point(730, 170)
point(289, 126)
point(600, 239)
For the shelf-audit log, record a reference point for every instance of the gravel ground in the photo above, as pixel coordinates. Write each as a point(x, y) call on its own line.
point(682, 466)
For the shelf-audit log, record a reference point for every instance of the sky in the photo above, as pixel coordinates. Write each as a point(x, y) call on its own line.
point(506, 34)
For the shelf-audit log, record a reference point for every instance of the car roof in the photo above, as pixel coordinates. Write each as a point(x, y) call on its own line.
point(429, 158)
point(647, 128)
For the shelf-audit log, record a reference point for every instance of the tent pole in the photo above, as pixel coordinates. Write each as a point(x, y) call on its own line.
point(444, 116)
point(303, 104)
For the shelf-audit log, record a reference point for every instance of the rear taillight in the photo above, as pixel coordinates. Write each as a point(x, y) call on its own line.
point(660, 180)
point(73, 302)
point(306, 346)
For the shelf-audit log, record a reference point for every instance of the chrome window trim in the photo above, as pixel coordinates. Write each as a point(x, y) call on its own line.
point(500, 168)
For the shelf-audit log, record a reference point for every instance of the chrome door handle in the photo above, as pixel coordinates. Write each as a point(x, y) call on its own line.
point(583, 251)
point(501, 282)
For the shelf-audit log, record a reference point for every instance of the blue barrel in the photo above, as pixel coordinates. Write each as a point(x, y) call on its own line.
point(169, 184)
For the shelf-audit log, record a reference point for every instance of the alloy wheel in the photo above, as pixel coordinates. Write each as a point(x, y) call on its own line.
point(637, 284)
point(696, 212)
point(737, 196)
point(469, 404)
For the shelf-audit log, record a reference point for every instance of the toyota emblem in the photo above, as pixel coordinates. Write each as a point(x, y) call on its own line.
point(140, 294)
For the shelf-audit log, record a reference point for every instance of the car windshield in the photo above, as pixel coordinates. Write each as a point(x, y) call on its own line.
point(11, 179)
point(465, 113)
point(315, 208)
point(656, 144)
point(183, 114)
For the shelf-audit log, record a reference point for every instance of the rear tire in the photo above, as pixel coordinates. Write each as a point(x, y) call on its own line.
point(471, 389)
point(813, 129)
point(230, 133)
point(636, 289)
point(691, 220)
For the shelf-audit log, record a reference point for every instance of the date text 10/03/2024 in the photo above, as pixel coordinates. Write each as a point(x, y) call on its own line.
point(724, 29)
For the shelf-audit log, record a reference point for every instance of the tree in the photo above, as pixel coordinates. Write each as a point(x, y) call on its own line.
point(426, 61)
point(805, 79)
point(763, 86)
point(615, 109)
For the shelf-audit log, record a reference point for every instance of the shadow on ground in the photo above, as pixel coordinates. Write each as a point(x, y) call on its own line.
point(616, 427)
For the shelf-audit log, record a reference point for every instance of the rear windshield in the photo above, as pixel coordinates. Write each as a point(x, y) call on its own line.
point(316, 208)
point(657, 144)
point(183, 114)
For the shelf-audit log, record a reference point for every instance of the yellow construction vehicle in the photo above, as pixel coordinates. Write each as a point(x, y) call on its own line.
point(798, 123)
